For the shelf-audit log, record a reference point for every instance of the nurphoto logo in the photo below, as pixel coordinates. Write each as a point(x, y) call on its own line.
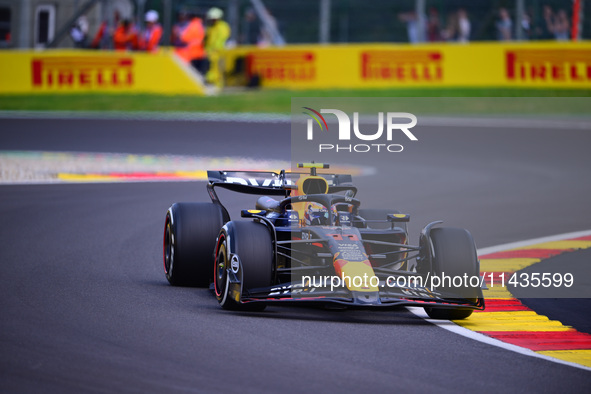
point(391, 122)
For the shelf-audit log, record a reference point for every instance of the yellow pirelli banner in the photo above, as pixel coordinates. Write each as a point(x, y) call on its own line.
point(519, 64)
point(67, 71)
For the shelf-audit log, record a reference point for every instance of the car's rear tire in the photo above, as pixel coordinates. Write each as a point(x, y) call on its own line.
point(454, 255)
point(251, 242)
point(190, 232)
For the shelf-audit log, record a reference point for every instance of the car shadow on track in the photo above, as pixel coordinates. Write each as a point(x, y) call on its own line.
point(203, 301)
point(398, 316)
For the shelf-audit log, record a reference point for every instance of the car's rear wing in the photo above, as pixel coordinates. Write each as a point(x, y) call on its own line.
point(250, 182)
point(271, 183)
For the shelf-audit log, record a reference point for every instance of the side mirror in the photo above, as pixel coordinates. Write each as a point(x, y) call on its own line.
point(398, 218)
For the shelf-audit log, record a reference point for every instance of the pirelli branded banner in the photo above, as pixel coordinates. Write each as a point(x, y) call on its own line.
point(95, 71)
point(525, 64)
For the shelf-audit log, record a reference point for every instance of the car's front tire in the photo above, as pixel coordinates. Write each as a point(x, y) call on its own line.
point(251, 243)
point(454, 254)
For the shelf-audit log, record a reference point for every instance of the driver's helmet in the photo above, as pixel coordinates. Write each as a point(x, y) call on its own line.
point(316, 215)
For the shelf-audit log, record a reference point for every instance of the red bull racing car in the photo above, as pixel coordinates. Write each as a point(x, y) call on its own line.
point(307, 240)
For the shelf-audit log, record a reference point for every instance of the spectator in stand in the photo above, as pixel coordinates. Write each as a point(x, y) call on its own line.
point(100, 37)
point(450, 32)
point(526, 26)
point(504, 25)
point(183, 21)
point(125, 36)
point(463, 26)
point(189, 46)
point(433, 26)
point(150, 38)
point(251, 28)
point(266, 37)
point(412, 26)
point(79, 32)
point(546, 29)
point(218, 33)
point(561, 26)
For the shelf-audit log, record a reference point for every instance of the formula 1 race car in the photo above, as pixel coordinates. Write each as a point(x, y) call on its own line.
point(313, 243)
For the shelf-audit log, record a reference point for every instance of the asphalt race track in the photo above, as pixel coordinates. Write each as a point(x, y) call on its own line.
point(85, 305)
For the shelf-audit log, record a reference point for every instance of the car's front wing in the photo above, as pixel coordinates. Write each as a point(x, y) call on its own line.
point(384, 298)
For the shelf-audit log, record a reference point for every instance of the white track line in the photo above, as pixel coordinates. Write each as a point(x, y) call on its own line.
point(521, 244)
point(245, 117)
point(552, 123)
point(451, 326)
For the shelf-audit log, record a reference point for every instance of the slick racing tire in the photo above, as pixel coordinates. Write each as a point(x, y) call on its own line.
point(190, 232)
point(454, 255)
point(377, 214)
point(244, 249)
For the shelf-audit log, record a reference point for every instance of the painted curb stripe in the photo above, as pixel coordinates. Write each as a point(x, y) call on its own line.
point(40, 167)
point(133, 176)
point(505, 265)
point(508, 320)
point(544, 340)
point(511, 321)
point(525, 253)
point(504, 305)
point(582, 356)
point(166, 176)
